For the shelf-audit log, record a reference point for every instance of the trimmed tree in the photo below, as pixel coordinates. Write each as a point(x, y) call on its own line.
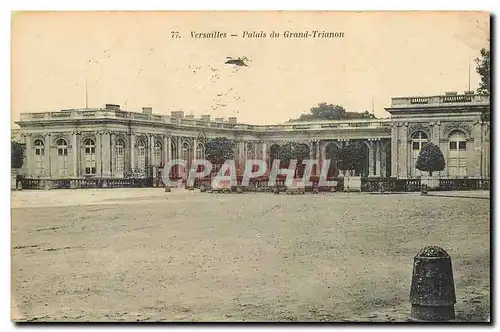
point(484, 70)
point(430, 159)
point(218, 150)
point(351, 158)
point(293, 150)
point(16, 154)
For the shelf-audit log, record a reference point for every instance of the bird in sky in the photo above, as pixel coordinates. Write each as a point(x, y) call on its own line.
point(238, 61)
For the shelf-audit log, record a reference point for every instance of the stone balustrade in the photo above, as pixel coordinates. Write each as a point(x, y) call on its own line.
point(106, 114)
point(430, 101)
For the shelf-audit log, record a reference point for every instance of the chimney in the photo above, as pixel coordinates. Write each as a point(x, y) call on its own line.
point(147, 110)
point(190, 116)
point(232, 119)
point(205, 117)
point(177, 114)
point(450, 93)
point(113, 107)
point(219, 119)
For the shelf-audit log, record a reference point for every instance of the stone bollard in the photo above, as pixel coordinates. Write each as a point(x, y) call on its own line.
point(167, 189)
point(239, 190)
point(432, 293)
point(19, 185)
point(203, 188)
point(276, 190)
point(315, 190)
point(423, 190)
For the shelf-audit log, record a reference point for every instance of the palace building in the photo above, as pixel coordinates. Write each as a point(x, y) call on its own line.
point(112, 143)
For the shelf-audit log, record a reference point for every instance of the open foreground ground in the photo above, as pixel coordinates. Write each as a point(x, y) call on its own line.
point(147, 255)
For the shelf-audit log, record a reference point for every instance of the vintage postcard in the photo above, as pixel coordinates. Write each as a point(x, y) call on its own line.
point(291, 166)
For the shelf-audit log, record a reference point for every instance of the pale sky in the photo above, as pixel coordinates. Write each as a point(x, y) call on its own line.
point(135, 62)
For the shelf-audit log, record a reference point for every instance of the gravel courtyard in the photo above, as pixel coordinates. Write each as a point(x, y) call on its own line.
point(147, 255)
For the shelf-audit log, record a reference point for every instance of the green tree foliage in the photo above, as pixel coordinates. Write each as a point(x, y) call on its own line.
point(293, 150)
point(326, 111)
point(16, 154)
point(484, 71)
point(219, 149)
point(351, 158)
point(430, 159)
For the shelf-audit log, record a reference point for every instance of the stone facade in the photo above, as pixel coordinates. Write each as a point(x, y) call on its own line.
point(111, 143)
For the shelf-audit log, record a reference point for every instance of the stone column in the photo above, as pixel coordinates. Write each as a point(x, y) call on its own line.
point(486, 150)
point(435, 132)
point(29, 154)
point(383, 159)
point(403, 149)
point(131, 152)
point(47, 159)
point(74, 152)
point(112, 164)
point(371, 153)
point(167, 150)
point(475, 155)
point(195, 148)
point(394, 150)
point(98, 154)
point(151, 149)
point(378, 157)
point(105, 154)
point(318, 157)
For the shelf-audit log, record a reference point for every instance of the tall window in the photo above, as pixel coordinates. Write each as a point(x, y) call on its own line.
point(200, 151)
point(119, 156)
point(39, 155)
point(141, 154)
point(62, 157)
point(457, 157)
point(418, 140)
point(185, 155)
point(185, 152)
point(89, 157)
point(175, 168)
point(158, 154)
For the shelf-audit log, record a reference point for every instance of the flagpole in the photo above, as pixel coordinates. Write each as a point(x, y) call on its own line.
point(86, 93)
point(468, 90)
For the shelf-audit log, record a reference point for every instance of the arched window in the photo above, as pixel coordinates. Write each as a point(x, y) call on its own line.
point(250, 151)
point(185, 155)
point(200, 151)
point(457, 157)
point(141, 153)
point(418, 140)
point(174, 170)
point(332, 154)
point(158, 161)
point(39, 155)
point(62, 157)
point(89, 156)
point(120, 156)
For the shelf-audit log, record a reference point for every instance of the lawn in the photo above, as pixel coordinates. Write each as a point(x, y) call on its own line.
point(147, 255)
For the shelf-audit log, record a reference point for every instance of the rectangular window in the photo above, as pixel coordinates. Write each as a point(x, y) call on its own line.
point(92, 150)
point(462, 145)
point(87, 150)
point(93, 170)
point(416, 146)
point(59, 152)
point(37, 152)
point(453, 145)
point(87, 170)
